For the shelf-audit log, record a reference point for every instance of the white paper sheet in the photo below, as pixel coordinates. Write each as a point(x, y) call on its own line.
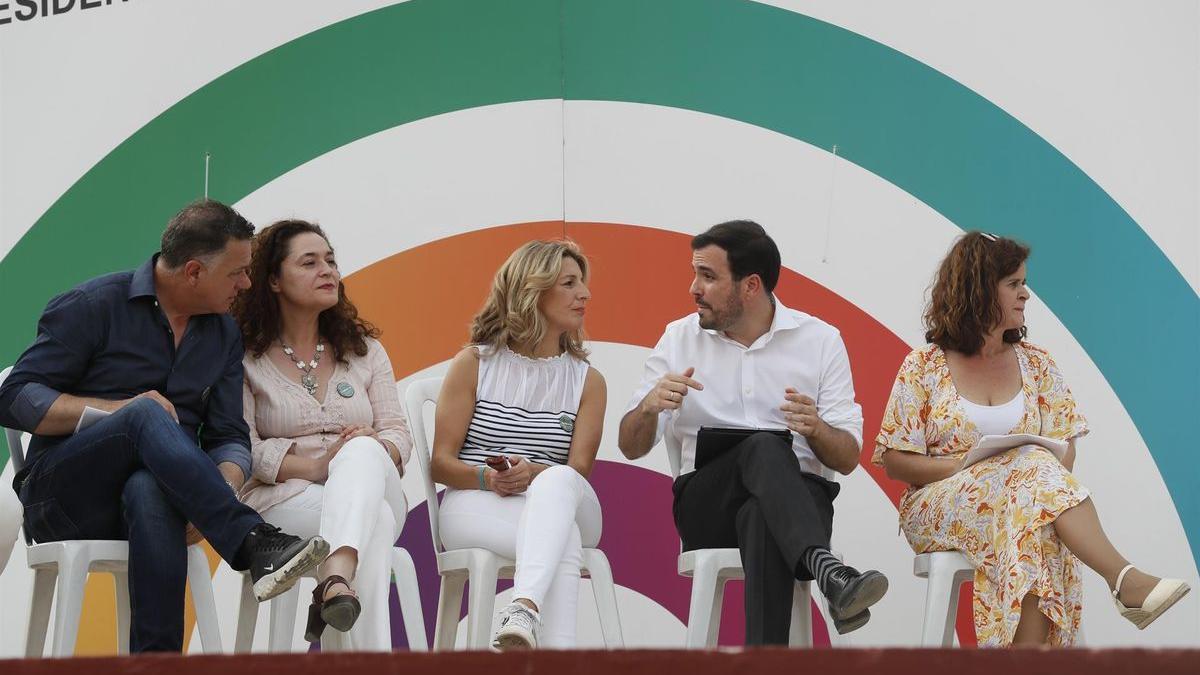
point(994, 445)
point(89, 417)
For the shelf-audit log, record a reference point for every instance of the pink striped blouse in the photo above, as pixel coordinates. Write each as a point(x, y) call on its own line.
point(284, 418)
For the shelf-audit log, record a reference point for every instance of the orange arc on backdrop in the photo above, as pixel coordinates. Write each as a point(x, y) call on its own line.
point(423, 300)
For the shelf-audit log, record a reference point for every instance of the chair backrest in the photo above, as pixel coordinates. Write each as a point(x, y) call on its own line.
point(415, 397)
point(16, 445)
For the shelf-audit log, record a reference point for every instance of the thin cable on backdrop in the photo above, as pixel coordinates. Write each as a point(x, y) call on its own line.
point(829, 204)
point(562, 92)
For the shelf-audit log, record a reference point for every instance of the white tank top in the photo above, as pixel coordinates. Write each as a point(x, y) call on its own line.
point(995, 420)
point(524, 407)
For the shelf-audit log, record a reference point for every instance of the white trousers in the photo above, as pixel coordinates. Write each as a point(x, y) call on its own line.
point(361, 506)
point(544, 530)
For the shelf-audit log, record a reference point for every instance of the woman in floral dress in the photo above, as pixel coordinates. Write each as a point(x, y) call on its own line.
point(1020, 516)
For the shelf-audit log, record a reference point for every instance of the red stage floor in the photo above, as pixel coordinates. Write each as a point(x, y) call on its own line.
point(648, 662)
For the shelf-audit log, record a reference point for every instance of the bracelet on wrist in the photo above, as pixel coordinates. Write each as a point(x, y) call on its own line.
point(480, 472)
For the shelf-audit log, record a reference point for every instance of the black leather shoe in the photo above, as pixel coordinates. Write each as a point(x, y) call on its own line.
point(843, 626)
point(850, 593)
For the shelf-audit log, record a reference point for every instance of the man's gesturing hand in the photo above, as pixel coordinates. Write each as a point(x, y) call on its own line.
point(800, 413)
point(670, 390)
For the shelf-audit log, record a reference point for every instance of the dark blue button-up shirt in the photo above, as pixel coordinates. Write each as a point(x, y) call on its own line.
point(107, 338)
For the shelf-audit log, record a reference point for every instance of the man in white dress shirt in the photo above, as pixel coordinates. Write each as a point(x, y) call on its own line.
point(745, 360)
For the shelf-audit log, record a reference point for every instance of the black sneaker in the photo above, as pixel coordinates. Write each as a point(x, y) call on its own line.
point(278, 560)
point(850, 593)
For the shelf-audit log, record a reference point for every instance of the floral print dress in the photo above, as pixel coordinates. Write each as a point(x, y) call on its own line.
point(997, 512)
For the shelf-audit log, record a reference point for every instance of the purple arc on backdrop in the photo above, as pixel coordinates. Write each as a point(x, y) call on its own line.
point(639, 539)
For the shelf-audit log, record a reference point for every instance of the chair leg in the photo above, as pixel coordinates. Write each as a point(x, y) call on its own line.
point(121, 583)
point(205, 604)
point(481, 602)
point(706, 596)
point(714, 617)
point(409, 594)
point(941, 597)
point(822, 606)
point(39, 611)
point(800, 634)
point(605, 592)
point(73, 574)
point(445, 631)
point(334, 641)
point(247, 618)
point(960, 577)
point(283, 620)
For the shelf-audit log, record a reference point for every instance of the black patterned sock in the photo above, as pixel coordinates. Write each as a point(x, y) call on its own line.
point(820, 562)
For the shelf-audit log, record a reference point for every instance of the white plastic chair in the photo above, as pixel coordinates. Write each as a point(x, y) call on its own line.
point(68, 563)
point(710, 568)
point(481, 567)
point(946, 571)
point(284, 606)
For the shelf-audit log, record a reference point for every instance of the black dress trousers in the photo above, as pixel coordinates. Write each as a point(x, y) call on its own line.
point(757, 498)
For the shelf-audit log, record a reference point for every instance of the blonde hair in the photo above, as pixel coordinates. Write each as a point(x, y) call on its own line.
point(511, 314)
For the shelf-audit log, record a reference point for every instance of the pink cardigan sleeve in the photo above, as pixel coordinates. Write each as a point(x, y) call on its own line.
point(390, 423)
point(266, 454)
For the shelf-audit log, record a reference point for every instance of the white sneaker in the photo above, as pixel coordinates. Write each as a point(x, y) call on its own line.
point(518, 628)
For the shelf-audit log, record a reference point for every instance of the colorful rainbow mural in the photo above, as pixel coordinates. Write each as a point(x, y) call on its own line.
point(351, 124)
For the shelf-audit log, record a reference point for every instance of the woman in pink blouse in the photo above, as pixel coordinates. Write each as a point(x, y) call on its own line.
point(328, 434)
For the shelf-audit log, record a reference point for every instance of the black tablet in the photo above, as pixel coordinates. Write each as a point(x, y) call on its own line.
point(712, 442)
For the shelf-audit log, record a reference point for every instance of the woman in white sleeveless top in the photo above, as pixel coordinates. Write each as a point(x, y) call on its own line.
point(523, 393)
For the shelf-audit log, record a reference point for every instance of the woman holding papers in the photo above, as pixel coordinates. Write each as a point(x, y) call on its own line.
point(329, 439)
point(1018, 515)
point(517, 428)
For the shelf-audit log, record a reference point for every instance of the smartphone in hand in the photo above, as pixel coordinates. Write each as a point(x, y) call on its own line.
point(498, 464)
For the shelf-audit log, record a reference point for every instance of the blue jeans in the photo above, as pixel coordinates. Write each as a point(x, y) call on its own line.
point(137, 475)
point(233, 454)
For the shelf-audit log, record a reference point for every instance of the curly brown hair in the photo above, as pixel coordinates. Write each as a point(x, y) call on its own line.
point(257, 310)
point(963, 303)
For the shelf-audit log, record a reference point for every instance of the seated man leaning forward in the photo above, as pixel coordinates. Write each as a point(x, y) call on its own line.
point(155, 349)
point(744, 360)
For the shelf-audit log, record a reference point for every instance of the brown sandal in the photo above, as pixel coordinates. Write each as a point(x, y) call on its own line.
point(340, 611)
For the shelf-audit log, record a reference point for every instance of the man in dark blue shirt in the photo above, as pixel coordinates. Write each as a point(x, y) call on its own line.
point(156, 350)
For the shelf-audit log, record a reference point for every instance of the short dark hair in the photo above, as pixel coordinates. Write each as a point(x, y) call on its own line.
point(200, 229)
point(749, 248)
